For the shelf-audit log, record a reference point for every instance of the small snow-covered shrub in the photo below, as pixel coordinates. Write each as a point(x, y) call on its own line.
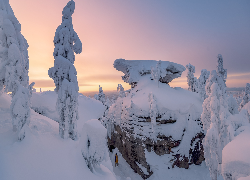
point(100, 96)
point(94, 143)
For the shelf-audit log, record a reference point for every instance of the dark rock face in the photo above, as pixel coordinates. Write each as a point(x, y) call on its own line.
point(132, 150)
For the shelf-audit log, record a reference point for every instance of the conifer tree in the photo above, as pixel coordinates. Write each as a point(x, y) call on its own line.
point(246, 96)
point(14, 66)
point(192, 81)
point(63, 73)
point(202, 83)
point(100, 96)
point(120, 89)
point(217, 127)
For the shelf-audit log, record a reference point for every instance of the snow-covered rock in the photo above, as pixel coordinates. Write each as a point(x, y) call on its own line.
point(134, 69)
point(149, 118)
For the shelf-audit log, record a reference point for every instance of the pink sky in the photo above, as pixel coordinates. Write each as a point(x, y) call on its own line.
point(135, 30)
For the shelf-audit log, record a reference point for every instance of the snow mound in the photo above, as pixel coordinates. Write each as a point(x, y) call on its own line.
point(134, 69)
point(43, 154)
point(45, 104)
point(94, 143)
point(235, 156)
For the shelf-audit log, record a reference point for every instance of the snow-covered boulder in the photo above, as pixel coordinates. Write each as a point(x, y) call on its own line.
point(134, 69)
point(94, 143)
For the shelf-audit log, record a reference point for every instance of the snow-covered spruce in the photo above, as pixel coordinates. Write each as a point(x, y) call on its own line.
point(202, 83)
point(14, 60)
point(246, 96)
point(156, 72)
point(215, 118)
point(20, 110)
point(14, 66)
point(222, 73)
point(63, 73)
point(192, 81)
point(218, 129)
point(94, 143)
point(121, 91)
point(100, 96)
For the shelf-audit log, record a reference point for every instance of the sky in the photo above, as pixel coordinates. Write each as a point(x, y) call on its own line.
point(180, 31)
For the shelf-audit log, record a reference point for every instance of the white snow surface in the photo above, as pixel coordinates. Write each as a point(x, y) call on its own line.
point(43, 154)
point(235, 155)
point(162, 169)
point(45, 103)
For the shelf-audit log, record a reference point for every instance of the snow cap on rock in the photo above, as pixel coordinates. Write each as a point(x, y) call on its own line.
point(134, 69)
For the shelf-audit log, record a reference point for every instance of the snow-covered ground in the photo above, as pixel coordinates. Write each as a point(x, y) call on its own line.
point(163, 170)
point(43, 154)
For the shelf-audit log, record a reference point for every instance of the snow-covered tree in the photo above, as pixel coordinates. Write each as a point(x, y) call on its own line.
point(232, 105)
point(246, 96)
point(94, 143)
point(14, 66)
point(211, 147)
point(63, 73)
point(153, 111)
point(20, 110)
point(192, 81)
point(202, 83)
point(218, 129)
point(100, 96)
point(156, 72)
point(120, 89)
point(14, 60)
point(222, 73)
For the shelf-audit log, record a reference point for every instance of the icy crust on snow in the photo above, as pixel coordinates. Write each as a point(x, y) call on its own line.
point(134, 69)
point(45, 104)
point(181, 107)
point(235, 156)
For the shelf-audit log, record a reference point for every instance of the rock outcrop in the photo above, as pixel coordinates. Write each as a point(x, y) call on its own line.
point(155, 118)
point(134, 69)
